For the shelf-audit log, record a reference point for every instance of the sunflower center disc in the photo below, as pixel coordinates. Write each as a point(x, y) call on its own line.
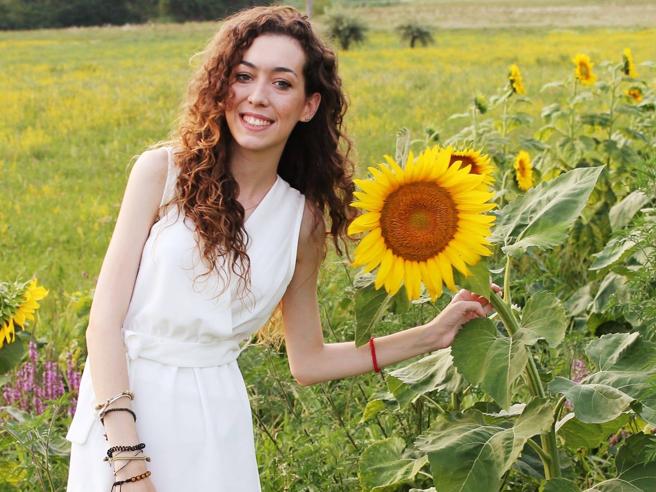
point(418, 220)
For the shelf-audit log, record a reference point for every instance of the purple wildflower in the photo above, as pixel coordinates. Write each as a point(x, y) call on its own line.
point(36, 383)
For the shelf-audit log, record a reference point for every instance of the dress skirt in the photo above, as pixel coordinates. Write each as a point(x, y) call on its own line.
point(196, 423)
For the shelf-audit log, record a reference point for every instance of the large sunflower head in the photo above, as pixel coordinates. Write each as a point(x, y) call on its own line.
point(524, 170)
point(515, 80)
point(421, 221)
point(583, 69)
point(628, 66)
point(635, 94)
point(479, 164)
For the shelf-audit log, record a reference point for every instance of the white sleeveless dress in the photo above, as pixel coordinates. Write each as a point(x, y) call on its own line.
point(182, 344)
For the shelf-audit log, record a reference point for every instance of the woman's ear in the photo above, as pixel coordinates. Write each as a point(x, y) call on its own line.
point(311, 107)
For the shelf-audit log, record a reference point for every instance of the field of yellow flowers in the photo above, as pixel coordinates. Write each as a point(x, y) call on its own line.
point(79, 104)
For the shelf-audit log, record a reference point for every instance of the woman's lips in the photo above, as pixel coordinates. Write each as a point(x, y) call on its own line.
point(255, 123)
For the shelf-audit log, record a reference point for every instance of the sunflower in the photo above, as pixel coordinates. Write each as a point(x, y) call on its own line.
point(628, 67)
point(480, 164)
point(25, 311)
point(515, 80)
point(635, 93)
point(584, 69)
point(7, 332)
point(421, 221)
point(523, 170)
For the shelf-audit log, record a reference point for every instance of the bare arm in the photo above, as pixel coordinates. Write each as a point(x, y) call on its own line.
point(105, 346)
point(312, 361)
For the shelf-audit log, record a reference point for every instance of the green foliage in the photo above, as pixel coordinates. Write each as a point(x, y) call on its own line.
point(490, 359)
point(414, 33)
point(472, 454)
point(542, 216)
point(544, 317)
point(381, 469)
point(346, 29)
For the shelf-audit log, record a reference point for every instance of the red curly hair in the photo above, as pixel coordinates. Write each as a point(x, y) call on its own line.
point(315, 159)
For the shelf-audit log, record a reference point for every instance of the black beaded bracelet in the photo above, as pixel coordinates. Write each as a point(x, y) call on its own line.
point(136, 447)
point(102, 419)
point(136, 478)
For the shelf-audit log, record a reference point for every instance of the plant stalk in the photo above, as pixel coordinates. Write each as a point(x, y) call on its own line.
point(548, 440)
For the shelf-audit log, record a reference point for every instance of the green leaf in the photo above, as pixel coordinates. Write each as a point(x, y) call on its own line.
point(596, 119)
point(382, 469)
point(487, 358)
point(579, 302)
point(615, 250)
point(606, 351)
point(543, 215)
point(479, 280)
point(628, 364)
point(432, 373)
point(622, 212)
point(370, 307)
point(467, 456)
point(577, 434)
point(543, 317)
point(635, 465)
point(623, 352)
point(612, 286)
point(378, 402)
point(12, 354)
point(559, 485)
point(593, 403)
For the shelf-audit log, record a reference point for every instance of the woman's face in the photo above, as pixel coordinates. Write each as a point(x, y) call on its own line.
point(267, 94)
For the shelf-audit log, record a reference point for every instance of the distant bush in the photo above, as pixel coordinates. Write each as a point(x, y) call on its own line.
point(414, 33)
point(345, 30)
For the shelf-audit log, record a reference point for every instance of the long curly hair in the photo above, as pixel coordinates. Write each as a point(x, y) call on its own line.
point(315, 159)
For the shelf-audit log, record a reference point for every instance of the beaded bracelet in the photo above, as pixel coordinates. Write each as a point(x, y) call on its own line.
point(136, 478)
point(136, 447)
point(102, 417)
point(109, 401)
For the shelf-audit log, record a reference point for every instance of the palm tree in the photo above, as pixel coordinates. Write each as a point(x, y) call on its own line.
point(415, 32)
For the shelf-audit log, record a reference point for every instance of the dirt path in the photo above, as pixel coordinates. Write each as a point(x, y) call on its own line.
point(481, 15)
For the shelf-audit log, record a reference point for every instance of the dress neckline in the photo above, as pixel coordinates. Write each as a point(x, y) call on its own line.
point(263, 200)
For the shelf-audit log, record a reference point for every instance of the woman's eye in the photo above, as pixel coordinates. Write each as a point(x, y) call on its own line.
point(242, 77)
point(283, 84)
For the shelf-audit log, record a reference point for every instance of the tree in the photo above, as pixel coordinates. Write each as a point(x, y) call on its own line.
point(414, 33)
point(346, 30)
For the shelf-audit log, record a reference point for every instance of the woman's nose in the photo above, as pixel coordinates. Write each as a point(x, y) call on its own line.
point(258, 94)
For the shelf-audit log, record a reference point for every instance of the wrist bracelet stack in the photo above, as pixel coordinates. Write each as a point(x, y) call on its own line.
point(373, 354)
point(112, 453)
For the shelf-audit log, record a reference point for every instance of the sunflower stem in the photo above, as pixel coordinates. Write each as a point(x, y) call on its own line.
point(506, 282)
point(548, 440)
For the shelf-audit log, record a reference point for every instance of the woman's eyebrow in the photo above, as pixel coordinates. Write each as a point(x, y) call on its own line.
point(275, 69)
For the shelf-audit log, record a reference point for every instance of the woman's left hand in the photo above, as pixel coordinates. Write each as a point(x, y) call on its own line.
point(464, 306)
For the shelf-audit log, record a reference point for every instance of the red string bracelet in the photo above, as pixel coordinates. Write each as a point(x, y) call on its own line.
point(373, 354)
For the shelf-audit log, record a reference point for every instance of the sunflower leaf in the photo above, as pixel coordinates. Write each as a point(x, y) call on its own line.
point(543, 215)
point(370, 306)
point(487, 358)
point(543, 317)
point(479, 280)
point(432, 373)
point(383, 469)
point(621, 213)
point(467, 454)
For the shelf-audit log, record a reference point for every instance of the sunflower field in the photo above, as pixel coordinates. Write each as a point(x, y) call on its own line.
point(516, 156)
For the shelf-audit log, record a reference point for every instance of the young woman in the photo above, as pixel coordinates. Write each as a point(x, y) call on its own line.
point(215, 229)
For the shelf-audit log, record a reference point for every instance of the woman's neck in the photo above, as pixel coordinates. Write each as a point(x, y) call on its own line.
point(255, 172)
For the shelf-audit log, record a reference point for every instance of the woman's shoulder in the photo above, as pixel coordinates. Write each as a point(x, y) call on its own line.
point(152, 165)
